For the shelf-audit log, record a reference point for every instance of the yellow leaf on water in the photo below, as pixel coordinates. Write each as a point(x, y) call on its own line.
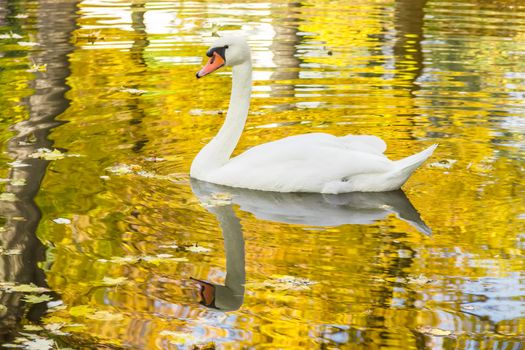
point(32, 327)
point(162, 258)
point(284, 282)
point(177, 337)
point(4, 251)
point(7, 197)
point(434, 331)
point(218, 199)
point(10, 35)
point(35, 299)
point(103, 315)
point(54, 326)
point(133, 91)
point(23, 288)
point(109, 281)
point(18, 182)
point(419, 280)
point(197, 249)
point(121, 260)
point(444, 164)
point(37, 68)
point(62, 221)
point(27, 43)
point(123, 169)
point(81, 310)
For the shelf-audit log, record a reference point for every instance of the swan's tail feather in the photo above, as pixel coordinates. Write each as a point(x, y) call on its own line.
point(406, 166)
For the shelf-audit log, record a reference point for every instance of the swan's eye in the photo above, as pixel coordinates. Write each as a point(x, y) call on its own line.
point(221, 51)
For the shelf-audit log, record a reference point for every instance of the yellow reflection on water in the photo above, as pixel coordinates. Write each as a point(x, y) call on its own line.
point(290, 271)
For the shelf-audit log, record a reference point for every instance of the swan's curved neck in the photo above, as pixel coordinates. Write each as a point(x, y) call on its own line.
point(218, 151)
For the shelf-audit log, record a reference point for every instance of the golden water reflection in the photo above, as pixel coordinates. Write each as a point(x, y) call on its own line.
point(294, 271)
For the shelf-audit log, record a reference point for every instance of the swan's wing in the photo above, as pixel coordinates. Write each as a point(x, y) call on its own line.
point(365, 143)
point(303, 163)
point(362, 143)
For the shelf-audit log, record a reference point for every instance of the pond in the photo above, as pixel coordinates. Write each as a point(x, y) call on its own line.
point(108, 243)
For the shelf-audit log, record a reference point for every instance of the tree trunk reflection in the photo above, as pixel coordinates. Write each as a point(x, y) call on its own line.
point(55, 22)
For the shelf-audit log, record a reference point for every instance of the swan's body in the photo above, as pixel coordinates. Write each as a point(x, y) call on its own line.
point(315, 162)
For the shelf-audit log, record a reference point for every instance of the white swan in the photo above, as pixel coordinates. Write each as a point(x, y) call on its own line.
point(316, 162)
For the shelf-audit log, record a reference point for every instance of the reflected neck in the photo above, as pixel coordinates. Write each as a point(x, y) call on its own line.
point(217, 153)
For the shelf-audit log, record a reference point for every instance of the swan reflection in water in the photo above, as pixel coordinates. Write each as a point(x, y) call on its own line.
point(310, 209)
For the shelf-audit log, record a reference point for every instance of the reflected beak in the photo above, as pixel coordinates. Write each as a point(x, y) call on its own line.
point(207, 292)
point(215, 62)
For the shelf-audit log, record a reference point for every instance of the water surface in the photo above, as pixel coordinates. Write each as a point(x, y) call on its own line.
point(143, 258)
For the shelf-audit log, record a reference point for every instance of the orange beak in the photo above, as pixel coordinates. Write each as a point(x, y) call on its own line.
point(207, 292)
point(215, 62)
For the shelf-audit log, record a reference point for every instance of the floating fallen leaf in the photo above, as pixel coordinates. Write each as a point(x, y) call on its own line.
point(62, 221)
point(147, 174)
point(7, 197)
point(15, 251)
point(54, 326)
point(105, 316)
point(55, 305)
point(3, 307)
point(47, 154)
point(176, 337)
point(37, 68)
point(39, 344)
point(204, 112)
point(18, 164)
point(445, 164)
point(152, 259)
point(162, 258)
point(285, 283)
point(109, 281)
point(91, 37)
point(21, 16)
point(35, 299)
point(27, 43)
point(105, 177)
point(74, 327)
point(122, 260)
point(22, 288)
point(32, 328)
point(10, 35)
point(215, 30)
point(18, 182)
point(419, 280)
point(132, 91)
point(171, 246)
point(222, 196)
point(197, 249)
point(218, 199)
point(123, 169)
point(81, 310)
point(154, 159)
point(434, 331)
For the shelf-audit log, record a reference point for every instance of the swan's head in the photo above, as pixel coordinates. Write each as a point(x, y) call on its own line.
point(227, 51)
